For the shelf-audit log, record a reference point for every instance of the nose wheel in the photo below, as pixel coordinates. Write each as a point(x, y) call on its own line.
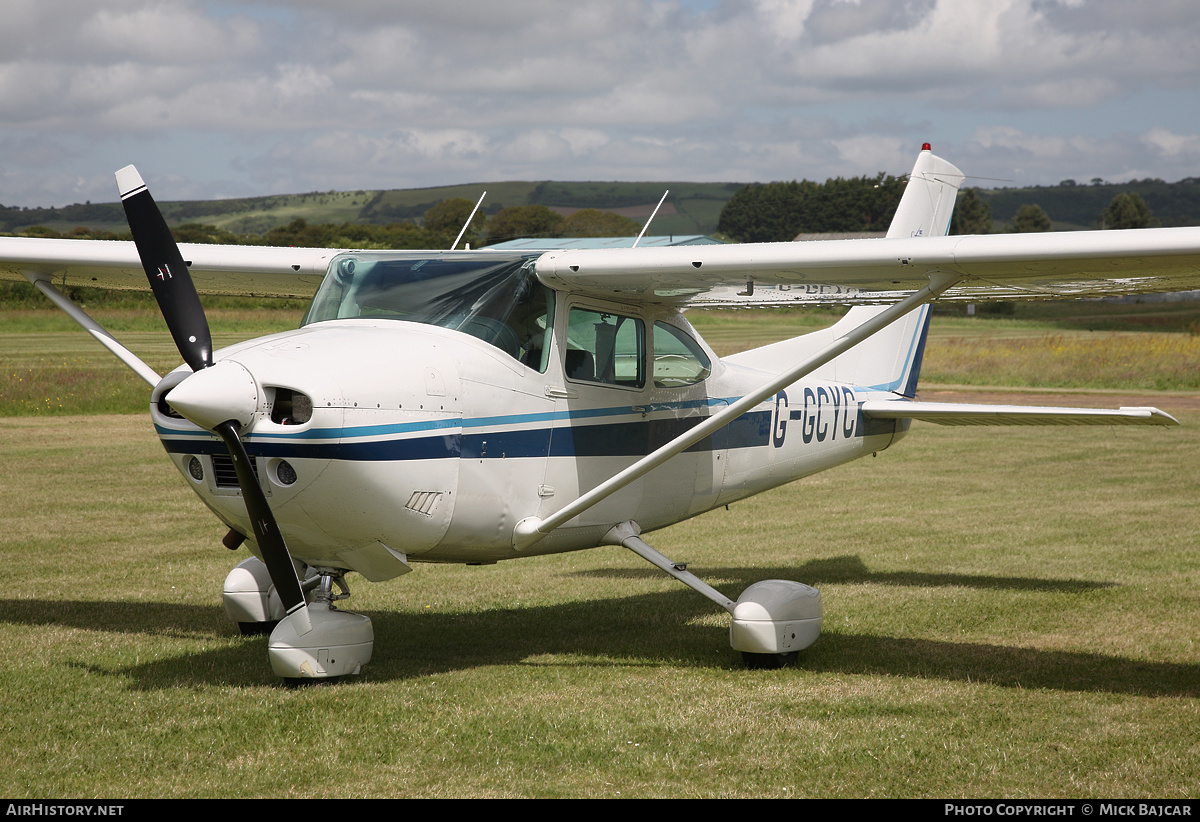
point(333, 643)
point(329, 643)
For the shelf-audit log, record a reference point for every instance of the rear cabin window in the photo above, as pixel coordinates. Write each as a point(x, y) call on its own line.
point(678, 359)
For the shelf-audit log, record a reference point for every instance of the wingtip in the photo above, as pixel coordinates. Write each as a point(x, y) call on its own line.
point(129, 181)
point(1154, 416)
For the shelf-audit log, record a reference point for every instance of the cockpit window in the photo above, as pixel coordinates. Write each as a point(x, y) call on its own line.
point(494, 297)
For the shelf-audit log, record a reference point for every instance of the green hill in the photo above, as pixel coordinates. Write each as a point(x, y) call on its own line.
point(691, 208)
point(1077, 206)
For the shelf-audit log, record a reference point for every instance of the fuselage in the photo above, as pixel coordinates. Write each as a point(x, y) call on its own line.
point(382, 439)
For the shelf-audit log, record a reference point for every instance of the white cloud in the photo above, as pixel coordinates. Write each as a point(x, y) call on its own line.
point(303, 93)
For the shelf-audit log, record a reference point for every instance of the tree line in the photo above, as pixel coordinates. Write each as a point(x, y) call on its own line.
point(778, 212)
point(759, 212)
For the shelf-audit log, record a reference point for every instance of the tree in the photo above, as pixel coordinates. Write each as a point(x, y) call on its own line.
point(202, 233)
point(775, 212)
point(1030, 219)
point(449, 216)
point(764, 212)
point(592, 222)
point(353, 235)
point(1128, 210)
point(971, 214)
point(515, 222)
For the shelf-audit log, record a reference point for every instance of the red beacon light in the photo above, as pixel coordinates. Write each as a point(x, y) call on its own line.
point(926, 147)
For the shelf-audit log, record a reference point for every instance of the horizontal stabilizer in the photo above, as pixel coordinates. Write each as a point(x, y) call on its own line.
point(953, 413)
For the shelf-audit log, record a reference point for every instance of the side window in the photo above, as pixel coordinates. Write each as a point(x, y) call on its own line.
point(678, 359)
point(606, 348)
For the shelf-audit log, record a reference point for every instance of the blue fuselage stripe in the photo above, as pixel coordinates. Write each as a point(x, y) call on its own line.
point(613, 439)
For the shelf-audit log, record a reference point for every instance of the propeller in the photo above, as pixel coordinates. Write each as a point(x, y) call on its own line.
point(214, 397)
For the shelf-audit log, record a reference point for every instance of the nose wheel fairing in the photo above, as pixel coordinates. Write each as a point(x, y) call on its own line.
point(333, 643)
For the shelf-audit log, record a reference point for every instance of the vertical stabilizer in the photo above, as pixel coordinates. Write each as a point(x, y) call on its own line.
point(928, 201)
point(891, 359)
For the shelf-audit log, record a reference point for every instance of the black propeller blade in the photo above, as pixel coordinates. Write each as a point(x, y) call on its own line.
point(181, 308)
point(166, 270)
point(266, 533)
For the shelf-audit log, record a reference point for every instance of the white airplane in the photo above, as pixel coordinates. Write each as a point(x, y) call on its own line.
point(481, 406)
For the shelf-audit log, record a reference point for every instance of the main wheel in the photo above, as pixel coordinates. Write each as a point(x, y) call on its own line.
point(768, 662)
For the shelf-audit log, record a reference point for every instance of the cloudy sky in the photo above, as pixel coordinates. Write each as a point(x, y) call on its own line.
point(214, 99)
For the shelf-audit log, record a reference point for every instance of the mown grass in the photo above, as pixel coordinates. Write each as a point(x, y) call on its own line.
point(1132, 361)
point(49, 367)
point(1008, 613)
point(1041, 351)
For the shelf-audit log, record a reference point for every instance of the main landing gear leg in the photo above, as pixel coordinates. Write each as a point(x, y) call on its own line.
point(772, 620)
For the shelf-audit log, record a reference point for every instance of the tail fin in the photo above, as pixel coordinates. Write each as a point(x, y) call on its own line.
point(928, 201)
point(891, 359)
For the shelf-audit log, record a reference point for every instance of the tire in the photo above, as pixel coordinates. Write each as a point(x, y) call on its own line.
point(257, 628)
point(768, 662)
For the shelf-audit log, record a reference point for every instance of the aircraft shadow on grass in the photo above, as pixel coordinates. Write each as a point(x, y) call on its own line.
point(851, 569)
point(646, 629)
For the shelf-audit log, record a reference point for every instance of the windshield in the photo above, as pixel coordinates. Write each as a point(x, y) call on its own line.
point(494, 297)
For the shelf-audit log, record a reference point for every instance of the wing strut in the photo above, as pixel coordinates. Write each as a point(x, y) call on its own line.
point(531, 529)
point(133, 361)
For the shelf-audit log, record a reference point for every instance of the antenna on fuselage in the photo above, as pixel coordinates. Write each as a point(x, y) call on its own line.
point(652, 213)
point(454, 244)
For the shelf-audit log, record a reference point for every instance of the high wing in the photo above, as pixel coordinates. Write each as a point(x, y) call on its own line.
point(874, 271)
point(216, 269)
point(1062, 265)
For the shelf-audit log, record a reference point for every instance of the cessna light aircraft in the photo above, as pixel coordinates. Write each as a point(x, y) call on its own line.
point(484, 405)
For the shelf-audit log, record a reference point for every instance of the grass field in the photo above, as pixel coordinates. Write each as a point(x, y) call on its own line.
point(1008, 612)
point(47, 367)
